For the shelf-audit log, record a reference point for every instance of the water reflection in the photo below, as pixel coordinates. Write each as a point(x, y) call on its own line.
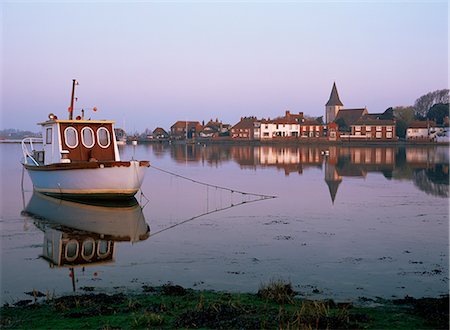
point(427, 167)
point(84, 234)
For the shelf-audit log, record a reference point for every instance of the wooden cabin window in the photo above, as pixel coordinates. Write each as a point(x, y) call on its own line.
point(103, 137)
point(48, 135)
point(87, 137)
point(88, 249)
point(71, 250)
point(103, 248)
point(71, 137)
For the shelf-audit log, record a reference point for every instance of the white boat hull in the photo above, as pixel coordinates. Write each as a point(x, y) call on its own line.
point(119, 223)
point(91, 180)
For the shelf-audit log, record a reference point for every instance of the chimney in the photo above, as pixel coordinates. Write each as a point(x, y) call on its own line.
point(288, 113)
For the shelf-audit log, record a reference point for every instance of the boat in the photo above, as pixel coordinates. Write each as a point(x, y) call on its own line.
point(80, 233)
point(80, 158)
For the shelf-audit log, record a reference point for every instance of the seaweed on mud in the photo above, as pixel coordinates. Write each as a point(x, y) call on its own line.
point(434, 310)
point(219, 316)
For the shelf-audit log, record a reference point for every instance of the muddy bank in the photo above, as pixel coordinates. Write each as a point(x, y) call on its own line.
point(171, 306)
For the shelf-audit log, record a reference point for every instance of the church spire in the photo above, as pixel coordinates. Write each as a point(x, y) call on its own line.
point(334, 97)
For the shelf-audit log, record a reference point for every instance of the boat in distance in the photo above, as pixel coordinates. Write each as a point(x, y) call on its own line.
point(79, 158)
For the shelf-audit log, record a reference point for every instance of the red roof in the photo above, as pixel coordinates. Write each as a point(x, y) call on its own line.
point(245, 123)
point(422, 124)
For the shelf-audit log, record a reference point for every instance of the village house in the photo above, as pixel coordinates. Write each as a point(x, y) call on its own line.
point(367, 128)
point(245, 129)
point(282, 127)
point(357, 124)
point(312, 128)
point(420, 130)
point(160, 134)
point(185, 129)
point(427, 131)
point(214, 128)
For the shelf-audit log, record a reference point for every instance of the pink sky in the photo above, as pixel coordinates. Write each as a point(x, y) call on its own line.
point(150, 64)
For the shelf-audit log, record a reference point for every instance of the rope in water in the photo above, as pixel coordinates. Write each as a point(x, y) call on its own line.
point(212, 185)
point(205, 213)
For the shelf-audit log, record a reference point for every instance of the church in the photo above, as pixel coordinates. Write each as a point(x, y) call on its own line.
point(357, 123)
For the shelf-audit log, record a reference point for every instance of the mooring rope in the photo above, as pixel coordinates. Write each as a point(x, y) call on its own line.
point(206, 213)
point(212, 185)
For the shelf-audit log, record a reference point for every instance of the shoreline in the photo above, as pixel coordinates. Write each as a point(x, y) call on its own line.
point(279, 142)
point(170, 306)
point(294, 143)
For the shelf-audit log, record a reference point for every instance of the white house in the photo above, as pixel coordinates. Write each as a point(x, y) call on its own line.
point(421, 130)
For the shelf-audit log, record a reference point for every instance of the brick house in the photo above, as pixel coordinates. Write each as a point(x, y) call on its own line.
point(185, 129)
point(368, 128)
point(160, 134)
point(245, 128)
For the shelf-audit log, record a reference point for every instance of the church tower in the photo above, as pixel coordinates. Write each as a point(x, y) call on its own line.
point(333, 105)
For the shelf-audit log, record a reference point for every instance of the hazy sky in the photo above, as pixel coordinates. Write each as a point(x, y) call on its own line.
point(149, 64)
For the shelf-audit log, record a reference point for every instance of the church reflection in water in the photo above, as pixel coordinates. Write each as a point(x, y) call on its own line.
point(426, 166)
point(80, 234)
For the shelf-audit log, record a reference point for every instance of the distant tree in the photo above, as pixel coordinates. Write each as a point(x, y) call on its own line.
point(388, 114)
point(400, 128)
point(404, 113)
point(319, 119)
point(425, 102)
point(438, 112)
point(403, 116)
point(343, 127)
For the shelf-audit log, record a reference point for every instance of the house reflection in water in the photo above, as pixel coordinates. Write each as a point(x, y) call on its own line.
point(427, 167)
point(81, 234)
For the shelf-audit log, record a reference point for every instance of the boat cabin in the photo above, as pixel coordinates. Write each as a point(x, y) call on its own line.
point(67, 141)
point(66, 249)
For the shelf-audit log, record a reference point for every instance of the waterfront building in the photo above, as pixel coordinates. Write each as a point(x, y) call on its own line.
point(333, 106)
point(368, 128)
point(421, 130)
point(160, 134)
point(185, 129)
point(312, 128)
point(245, 129)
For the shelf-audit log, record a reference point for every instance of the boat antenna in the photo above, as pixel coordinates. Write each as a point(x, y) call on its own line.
point(74, 82)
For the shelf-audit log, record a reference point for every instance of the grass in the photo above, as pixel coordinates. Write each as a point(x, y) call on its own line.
point(169, 307)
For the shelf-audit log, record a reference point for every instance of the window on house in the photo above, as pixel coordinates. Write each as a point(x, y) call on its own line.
point(71, 137)
point(368, 128)
point(378, 135)
point(357, 128)
point(389, 128)
point(378, 128)
point(389, 135)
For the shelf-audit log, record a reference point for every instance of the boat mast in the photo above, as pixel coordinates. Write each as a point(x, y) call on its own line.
point(74, 82)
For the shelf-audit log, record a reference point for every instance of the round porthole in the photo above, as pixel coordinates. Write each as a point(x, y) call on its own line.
point(71, 250)
point(103, 248)
point(87, 137)
point(71, 137)
point(103, 137)
point(88, 250)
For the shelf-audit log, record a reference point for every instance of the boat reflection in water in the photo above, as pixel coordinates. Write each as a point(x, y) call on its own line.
point(83, 234)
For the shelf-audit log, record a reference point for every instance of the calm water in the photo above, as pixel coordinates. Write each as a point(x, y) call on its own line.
point(357, 222)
